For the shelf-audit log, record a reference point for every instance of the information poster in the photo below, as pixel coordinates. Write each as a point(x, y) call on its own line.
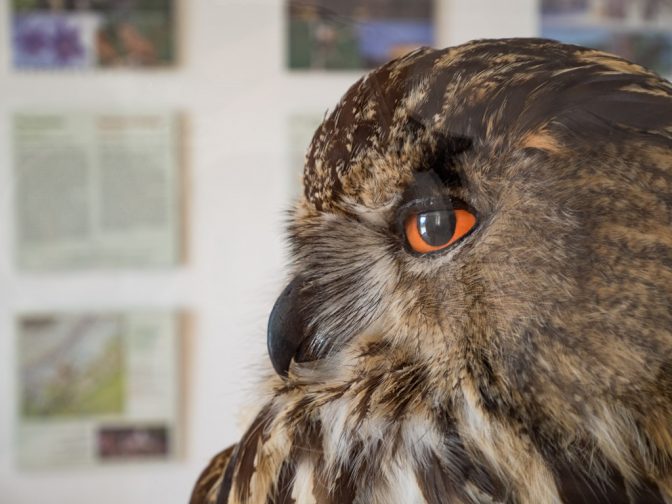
point(638, 30)
point(76, 34)
point(97, 190)
point(98, 388)
point(355, 34)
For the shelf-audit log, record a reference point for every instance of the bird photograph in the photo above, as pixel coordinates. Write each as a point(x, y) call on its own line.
point(336, 252)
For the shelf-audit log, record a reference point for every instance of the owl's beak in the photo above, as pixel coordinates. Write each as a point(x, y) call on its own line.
point(286, 329)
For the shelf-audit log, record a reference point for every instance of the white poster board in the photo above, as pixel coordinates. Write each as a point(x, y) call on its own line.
point(97, 388)
point(97, 190)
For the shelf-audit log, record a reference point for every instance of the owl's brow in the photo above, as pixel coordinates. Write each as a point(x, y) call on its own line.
point(443, 151)
point(444, 158)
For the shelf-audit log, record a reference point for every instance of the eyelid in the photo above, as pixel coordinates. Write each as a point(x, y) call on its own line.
point(427, 205)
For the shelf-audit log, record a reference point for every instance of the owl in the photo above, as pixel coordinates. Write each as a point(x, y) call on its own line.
point(481, 288)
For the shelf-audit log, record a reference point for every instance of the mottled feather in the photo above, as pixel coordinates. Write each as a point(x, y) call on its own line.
point(530, 362)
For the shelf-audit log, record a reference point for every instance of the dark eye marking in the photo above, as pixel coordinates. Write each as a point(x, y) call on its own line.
point(443, 151)
point(444, 159)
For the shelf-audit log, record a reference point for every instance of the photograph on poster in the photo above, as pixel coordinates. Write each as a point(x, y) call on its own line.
point(95, 387)
point(133, 441)
point(70, 369)
point(638, 30)
point(97, 190)
point(355, 34)
point(71, 34)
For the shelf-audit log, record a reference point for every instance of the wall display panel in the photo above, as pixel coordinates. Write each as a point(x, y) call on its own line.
point(98, 388)
point(97, 190)
point(72, 34)
point(354, 34)
point(638, 30)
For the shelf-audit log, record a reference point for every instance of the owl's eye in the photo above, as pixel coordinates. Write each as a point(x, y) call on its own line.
point(437, 229)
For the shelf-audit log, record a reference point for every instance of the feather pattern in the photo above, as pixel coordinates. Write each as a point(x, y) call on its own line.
point(531, 362)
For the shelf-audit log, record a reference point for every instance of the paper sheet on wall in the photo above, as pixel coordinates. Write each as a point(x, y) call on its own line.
point(98, 388)
point(638, 31)
point(342, 35)
point(97, 190)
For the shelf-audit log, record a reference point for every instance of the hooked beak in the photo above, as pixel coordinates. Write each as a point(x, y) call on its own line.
point(286, 328)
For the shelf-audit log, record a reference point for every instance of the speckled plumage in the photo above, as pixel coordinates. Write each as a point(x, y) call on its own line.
point(529, 363)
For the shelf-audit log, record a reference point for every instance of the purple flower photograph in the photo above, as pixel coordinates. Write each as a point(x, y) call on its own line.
point(86, 34)
point(52, 41)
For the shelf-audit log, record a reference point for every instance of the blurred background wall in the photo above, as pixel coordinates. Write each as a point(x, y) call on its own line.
point(236, 120)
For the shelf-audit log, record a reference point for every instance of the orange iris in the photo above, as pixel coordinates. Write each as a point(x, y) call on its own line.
point(463, 221)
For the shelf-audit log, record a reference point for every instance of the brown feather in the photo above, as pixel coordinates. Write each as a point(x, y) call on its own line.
point(530, 361)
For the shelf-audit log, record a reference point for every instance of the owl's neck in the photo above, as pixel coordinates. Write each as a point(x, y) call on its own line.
point(382, 424)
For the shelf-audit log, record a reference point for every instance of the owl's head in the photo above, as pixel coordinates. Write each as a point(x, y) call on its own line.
point(500, 210)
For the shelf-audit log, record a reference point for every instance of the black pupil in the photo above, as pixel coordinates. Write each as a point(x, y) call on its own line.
point(437, 227)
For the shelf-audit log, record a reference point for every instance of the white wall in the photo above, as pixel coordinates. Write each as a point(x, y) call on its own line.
point(237, 97)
